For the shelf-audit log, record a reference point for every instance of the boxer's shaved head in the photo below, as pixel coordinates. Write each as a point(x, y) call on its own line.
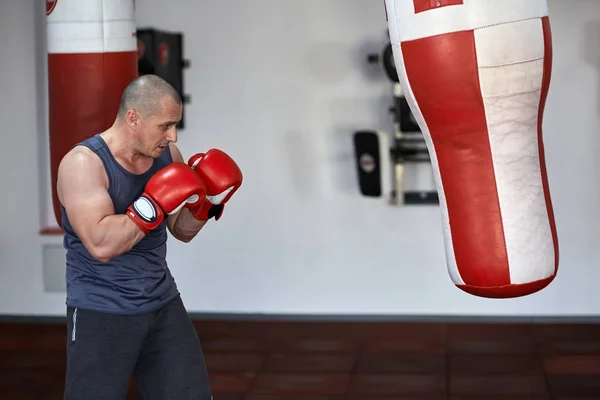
point(148, 115)
point(144, 94)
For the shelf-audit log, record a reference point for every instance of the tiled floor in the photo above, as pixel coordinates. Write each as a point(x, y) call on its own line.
point(334, 361)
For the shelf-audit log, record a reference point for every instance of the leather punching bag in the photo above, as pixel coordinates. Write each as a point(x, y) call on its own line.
point(92, 56)
point(476, 75)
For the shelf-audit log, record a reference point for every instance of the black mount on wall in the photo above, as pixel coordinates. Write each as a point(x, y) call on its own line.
point(407, 142)
point(408, 146)
point(161, 53)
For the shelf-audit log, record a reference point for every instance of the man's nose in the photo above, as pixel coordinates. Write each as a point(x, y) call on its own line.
point(172, 134)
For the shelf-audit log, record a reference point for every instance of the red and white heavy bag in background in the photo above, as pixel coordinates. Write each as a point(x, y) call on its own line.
point(92, 56)
point(476, 75)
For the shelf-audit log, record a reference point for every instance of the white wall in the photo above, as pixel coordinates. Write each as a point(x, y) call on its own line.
point(281, 86)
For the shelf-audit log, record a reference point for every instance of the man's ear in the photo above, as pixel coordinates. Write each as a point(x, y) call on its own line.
point(132, 118)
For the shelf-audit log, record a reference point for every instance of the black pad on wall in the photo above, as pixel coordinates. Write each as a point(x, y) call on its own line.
point(368, 162)
point(161, 53)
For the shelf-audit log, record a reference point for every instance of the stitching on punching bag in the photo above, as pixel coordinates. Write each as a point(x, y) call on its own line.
point(426, 5)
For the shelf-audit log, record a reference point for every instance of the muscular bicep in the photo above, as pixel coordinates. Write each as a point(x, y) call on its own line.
point(82, 191)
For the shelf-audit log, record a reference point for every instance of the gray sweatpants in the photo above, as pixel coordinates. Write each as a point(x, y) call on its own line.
point(161, 348)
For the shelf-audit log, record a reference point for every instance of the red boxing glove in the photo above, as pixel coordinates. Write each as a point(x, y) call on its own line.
point(166, 193)
point(222, 178)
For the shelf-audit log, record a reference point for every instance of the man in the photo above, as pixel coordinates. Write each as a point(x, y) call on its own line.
point(120, 192)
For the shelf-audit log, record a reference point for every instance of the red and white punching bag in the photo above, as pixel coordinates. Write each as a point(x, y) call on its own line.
point(476, 75)
point(92, 56)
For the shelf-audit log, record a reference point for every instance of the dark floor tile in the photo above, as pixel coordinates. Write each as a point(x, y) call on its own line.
point(574, 385)
point(280, 330)
point(402, 363)
point(310, 363)
point(234, 362)
point(484, 330)
point(557, 339)
point(318, 329)
point(231, 382)
point(407, 338)
point(313, 344)
point(401, 330)
point(32, 394)
point(293, 397)
point(13, 340)
point(499, 397)
point(398, 384)
point(33, 359)
point(575, 398)
point(479, 364)
point(34, 379)
point(572, 365)
point(396, 397)
point(490, 339)
point(300, 383)
point(562, 347)
point(549, 332)
point(497, 384)
point(348, 361)
point(229, 396)
point(234, 344)
point(52, 338)
point(134, 396)
point(491, 346)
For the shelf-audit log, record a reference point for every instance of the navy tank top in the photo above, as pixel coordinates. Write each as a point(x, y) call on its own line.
point(135, 282)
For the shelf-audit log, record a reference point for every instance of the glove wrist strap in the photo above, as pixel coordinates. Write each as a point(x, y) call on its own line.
point(146, 213)
point(207, 211)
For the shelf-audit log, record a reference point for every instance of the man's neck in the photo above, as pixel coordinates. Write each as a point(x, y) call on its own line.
point(123, 149)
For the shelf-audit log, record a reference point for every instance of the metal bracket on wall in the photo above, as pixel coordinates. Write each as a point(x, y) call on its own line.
point(408, 147)
point(421, 198)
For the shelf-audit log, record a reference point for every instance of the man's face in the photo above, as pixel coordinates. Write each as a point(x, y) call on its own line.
point(158, 130)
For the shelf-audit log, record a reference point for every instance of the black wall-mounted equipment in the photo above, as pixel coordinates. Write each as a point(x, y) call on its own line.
point(161, 53)
point(407, 144)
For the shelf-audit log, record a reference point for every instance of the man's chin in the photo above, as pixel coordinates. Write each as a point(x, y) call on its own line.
point(155, 153)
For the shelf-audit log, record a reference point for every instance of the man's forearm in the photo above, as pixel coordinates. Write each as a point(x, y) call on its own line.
point(113, 236)
point(186, 227)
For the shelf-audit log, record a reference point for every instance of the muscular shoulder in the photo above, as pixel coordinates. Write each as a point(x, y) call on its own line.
point(80, 166)
point(80, 161)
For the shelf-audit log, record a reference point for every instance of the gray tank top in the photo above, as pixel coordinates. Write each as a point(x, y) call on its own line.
point(135, 282)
